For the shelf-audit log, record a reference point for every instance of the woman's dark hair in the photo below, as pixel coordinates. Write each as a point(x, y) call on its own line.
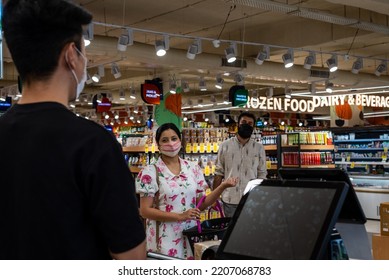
point(164, 127)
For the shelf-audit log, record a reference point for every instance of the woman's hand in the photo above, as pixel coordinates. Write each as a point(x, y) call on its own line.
point(230, 182)
point(191, 214)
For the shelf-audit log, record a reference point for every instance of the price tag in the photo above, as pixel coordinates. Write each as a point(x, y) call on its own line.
point(352, 165)
point(195, 148)
point(268, 164)
point(202, 148)
point(385, 149)
point(209, 148)
point(188, 148)
point(146, 148)
point(348, 158)
point(207, 170)
point(153, 148)
point(215, 147)
point(384, 157)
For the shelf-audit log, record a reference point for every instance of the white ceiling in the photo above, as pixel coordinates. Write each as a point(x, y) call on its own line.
point(248, 25)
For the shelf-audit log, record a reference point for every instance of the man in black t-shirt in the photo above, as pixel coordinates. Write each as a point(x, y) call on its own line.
point(65, 190)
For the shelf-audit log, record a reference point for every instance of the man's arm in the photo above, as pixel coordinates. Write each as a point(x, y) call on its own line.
point(217, 180)
point(136, 253)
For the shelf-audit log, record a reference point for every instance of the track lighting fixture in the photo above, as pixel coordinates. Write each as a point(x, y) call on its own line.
point(88, 34)
point(380, 68)
point(332, 63)
point(125, 39)
point(194, 48)
point(310, 60)
point(288, 58)
point(122, 94)
point(161, 46)
point(357, 65)
point(239, 79)
point(202, 84)
point(185, 86)
point(262, 55)
point(96, 78)
point(269, 92)
point(231, 52)
point(132, 93)
point(88, 79)
point(219, 82)
point(172, 86)
point(329, 86)
point(101, 71)
point(312, 88)
point(115, 70)
point(216, 43)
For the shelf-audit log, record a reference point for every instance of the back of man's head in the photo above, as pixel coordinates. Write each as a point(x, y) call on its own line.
point(36, 32)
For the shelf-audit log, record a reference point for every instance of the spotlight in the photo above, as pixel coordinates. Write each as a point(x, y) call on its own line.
point(269, 92)
point(101, 71)
point(88, 79)
point(115, 70)
point(310, 60)
point(231, 53)
point(194, 49)
point(239, 79)
point(88, 34)
point(96, 78)
point(288, 58)
point(132, 93)
point(161, 46)
point(126, 39)
point(216, 43)
point(202, 84)
point(357, 65)
point(329, 86)
point(300, 124)
point(380, 68)
point(172, 86)
point(262, 55)
point(332, 63)
point(185, 86)
point(219, 82)
point(122, 94)
point(312, 88)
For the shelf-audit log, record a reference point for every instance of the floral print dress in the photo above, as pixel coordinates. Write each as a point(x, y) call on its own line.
point(174, 193)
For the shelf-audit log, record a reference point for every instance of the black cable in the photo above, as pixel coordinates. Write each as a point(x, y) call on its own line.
point(225, 22)
point(352, 43)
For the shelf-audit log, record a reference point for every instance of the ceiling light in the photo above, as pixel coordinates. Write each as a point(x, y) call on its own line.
point(262, 55)
point(357, 65)
point(88, 79)
point(312, 88)
point(101, 71)
point(96, 78)
point(288, 58)
point(126, 39)
point(310, 60)
point(194, 49)
point(231, 53)
point(122, 94)
point(161, 46)
point(132, 93)
point(332, 63)
point(219, 82)
point(172, 86)
point(329, 87)
point(380, 68)
point(185, 86)
point(202, 84)
point(88, 34)
point(115, 70)
point(270, 92)
point(239, 79)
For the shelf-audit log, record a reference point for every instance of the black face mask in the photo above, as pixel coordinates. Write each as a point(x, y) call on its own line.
point(245, 130)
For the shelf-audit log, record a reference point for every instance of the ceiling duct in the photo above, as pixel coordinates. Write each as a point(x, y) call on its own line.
point(313, 14)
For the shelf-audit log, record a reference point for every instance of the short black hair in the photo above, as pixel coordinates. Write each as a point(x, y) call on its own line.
point(36, 31)
point(246, 114)
point(164, 127)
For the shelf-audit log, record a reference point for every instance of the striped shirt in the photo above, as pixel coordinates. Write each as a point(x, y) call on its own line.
point(247, 162)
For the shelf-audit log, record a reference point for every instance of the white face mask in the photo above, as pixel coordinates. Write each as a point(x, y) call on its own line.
point(81, 84)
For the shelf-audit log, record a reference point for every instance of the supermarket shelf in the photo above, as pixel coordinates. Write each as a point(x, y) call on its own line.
point(317, 147)
point(292, 165)
point(136, 149)
point(362, 158)
point(360, 140)
point(362, 162)
point(135, 169)
point(318, 166)
point(359, 149)
point(270, 147)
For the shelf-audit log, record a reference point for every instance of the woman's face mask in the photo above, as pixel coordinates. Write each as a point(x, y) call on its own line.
point(170, 149)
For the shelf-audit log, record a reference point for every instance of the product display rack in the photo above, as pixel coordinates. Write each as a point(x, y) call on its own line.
point(306, 150)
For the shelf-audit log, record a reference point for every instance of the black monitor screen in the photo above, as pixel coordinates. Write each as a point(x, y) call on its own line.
point(351, 210)
point(283, 220)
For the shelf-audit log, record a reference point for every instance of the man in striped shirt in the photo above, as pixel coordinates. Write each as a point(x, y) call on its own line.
point(242, 157)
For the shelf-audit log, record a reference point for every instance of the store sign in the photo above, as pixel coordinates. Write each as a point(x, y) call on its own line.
point(309, 106)
point(151, 94)
point(240, 97)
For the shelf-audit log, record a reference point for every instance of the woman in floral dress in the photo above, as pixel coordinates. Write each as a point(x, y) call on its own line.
point(169, 202)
